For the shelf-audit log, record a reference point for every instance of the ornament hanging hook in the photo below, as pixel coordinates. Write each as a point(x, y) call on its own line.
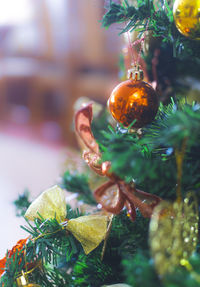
point(135, 73)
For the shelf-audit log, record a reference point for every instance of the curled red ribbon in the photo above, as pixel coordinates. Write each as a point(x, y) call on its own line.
point(115, 194)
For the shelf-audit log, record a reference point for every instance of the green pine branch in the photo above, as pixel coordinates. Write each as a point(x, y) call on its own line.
point(147, 158)
point(22, 203)
point(78, 183)
point(158, 19)
point(51, 245)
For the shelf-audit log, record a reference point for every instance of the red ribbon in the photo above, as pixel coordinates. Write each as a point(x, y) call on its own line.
point(115, 194)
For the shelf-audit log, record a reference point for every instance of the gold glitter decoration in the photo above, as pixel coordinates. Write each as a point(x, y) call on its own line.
point(89, 230)
point(187, 17)
point(50, 204)
point(173, 233)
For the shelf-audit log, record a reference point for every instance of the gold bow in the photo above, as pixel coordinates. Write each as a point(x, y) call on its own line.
point(50, 204)
point(89, 230)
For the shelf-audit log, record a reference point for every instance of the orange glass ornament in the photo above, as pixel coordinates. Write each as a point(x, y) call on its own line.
point(132, 100)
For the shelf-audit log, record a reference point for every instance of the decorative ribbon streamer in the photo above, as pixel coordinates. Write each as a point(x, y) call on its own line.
point(114, 194)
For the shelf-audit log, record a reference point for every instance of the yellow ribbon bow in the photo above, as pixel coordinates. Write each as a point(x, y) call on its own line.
point(89, 230)
point(50, 204)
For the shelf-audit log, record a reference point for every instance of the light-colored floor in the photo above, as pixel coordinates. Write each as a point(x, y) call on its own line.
point(23, 164)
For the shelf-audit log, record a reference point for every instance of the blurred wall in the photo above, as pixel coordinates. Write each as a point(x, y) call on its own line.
point(52, 53)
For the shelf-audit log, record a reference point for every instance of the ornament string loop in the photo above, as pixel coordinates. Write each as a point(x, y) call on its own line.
point(179, 154)
point(137, 42)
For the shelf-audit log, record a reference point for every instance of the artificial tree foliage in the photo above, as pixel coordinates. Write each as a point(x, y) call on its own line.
point(146, 158)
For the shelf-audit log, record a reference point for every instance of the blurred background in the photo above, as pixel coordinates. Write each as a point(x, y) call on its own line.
point(51, 54)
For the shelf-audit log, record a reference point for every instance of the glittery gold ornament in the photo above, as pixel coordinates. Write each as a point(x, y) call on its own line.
point(132, 100)
point(50, 204)
point(187, 17)
point(89, 230)
point(173, 233)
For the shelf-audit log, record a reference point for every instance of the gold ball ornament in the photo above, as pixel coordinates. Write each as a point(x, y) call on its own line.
point(132, 100)
point(187, 17)
point(173, 233)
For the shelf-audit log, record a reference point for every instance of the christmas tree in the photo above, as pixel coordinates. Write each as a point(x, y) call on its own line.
point(144, 169)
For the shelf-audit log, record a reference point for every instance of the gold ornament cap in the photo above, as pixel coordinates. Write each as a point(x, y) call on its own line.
point(135, 73)
point(22, 281)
